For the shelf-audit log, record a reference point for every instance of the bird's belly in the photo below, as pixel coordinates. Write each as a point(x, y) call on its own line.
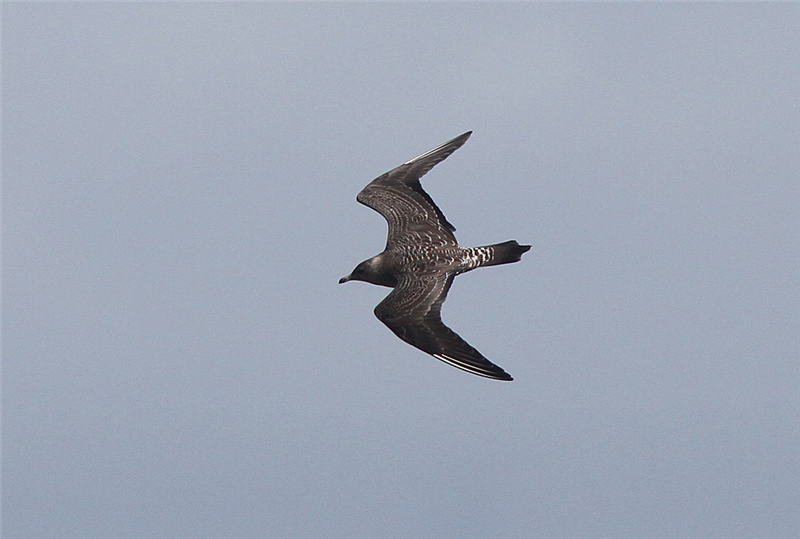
point(424, 259)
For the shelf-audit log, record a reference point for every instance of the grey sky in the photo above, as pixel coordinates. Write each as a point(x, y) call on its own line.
point(179, 188)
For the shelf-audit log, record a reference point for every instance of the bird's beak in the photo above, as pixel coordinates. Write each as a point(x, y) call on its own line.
point(344, 279)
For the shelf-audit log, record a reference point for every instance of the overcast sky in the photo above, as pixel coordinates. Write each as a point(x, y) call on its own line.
point(179, 187)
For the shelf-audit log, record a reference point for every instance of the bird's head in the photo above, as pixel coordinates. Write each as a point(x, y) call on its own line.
point(358, 274)
point(372, 271)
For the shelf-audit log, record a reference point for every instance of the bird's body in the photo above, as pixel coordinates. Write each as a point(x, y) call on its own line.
point(420, 261)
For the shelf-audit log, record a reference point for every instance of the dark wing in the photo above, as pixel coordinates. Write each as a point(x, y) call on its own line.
point(411, 213)
point(413, 312)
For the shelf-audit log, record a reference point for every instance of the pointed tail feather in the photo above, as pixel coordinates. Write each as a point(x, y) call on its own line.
point(505, 253)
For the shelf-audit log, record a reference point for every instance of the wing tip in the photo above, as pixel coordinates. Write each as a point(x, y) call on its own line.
point(453, 144)
point(495, 373)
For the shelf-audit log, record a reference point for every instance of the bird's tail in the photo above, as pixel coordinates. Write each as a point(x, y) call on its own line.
point(502, 253)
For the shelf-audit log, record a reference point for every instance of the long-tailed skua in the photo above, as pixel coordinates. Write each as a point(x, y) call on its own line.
point(420, 261)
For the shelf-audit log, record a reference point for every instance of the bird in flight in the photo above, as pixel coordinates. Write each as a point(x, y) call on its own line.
point(420, 261)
